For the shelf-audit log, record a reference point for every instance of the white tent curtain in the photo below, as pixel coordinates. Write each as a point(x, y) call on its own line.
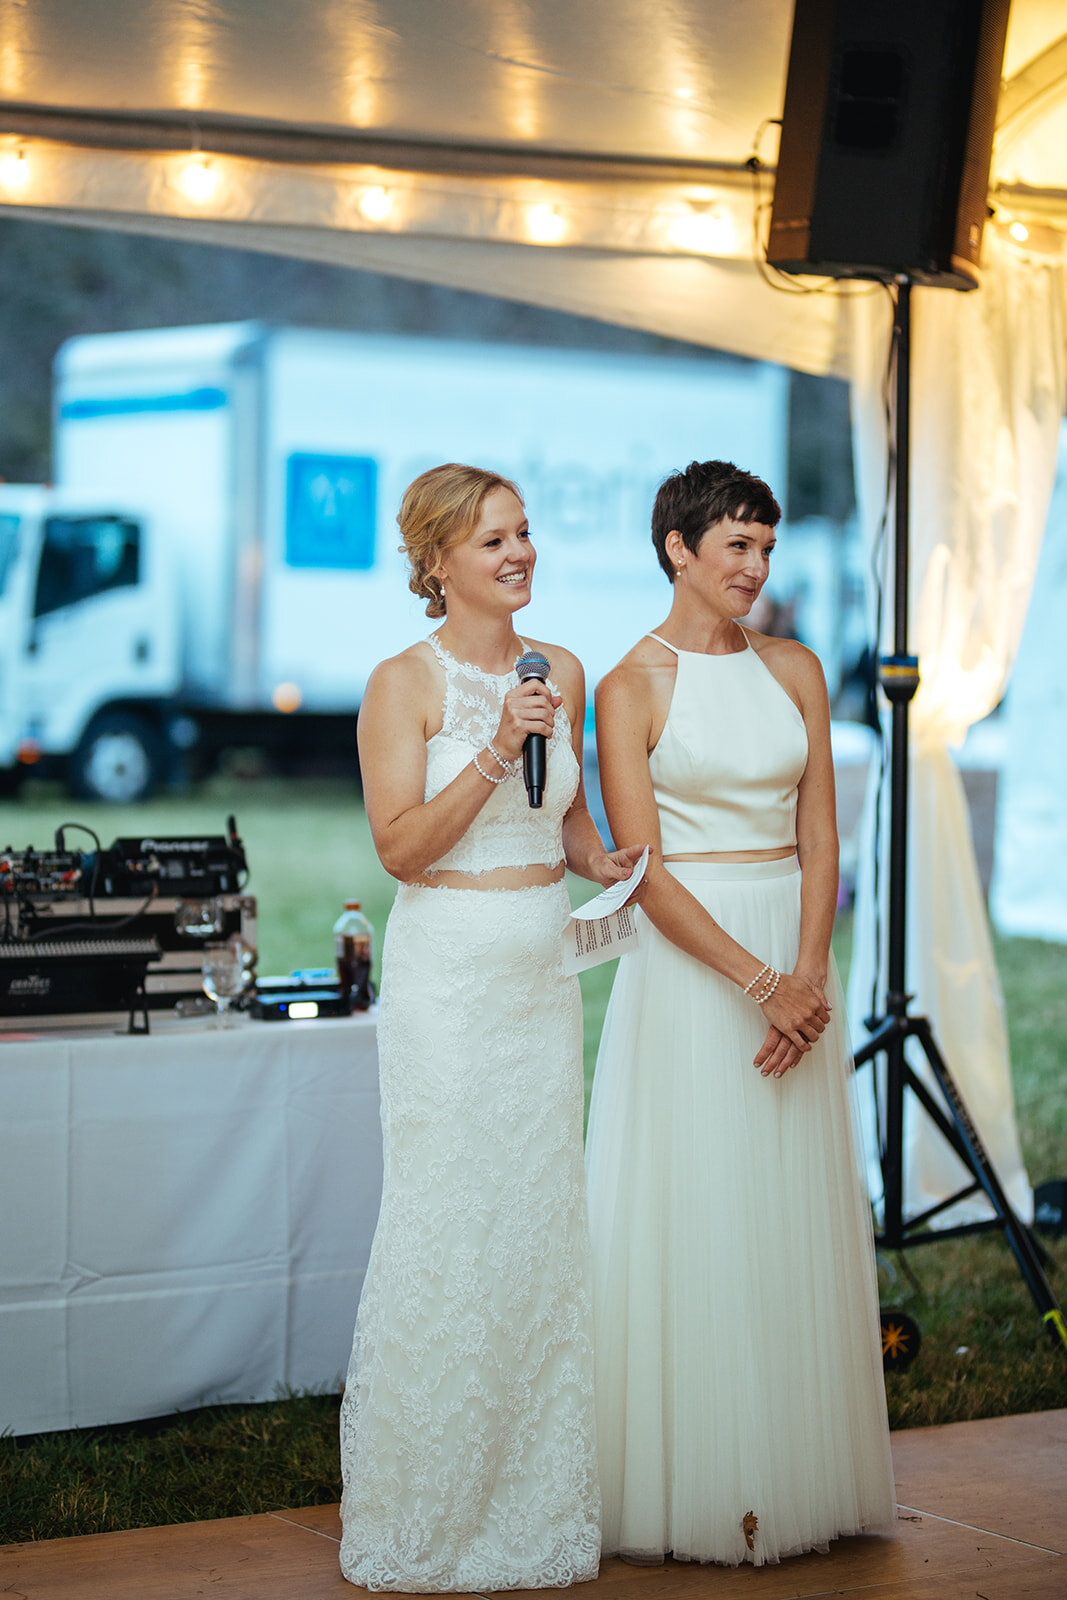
point(1029, 893)
point(988, 377)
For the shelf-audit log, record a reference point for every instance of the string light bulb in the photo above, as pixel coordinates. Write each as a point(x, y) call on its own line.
point(1019, 232)
point(704, 230)
point(199, 179)
point(14, 169)
point(544, 224)
point(376, 204)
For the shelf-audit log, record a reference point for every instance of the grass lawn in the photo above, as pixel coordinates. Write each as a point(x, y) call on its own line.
point(984, 1352)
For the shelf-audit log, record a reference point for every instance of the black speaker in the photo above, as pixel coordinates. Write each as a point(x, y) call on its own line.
point(887, 132)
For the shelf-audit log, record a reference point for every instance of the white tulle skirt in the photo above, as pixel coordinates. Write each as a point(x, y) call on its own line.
point(740, 1401)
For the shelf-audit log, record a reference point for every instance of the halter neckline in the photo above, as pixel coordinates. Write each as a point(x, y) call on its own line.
point(705, 655)
point(493, 677)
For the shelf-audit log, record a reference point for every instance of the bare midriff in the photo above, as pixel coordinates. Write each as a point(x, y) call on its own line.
point(533, 877)
point(738, 855)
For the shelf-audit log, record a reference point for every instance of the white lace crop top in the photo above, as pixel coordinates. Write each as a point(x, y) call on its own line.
point(506, 832)
point(732, 751)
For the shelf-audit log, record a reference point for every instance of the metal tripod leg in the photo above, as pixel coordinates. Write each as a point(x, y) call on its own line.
point(1019, 1236)
point(889, 1036)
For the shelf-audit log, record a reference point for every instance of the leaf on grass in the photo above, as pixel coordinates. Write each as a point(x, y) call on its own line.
point(750, 1526)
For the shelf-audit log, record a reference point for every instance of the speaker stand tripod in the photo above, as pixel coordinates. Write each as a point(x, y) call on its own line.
point(890, 1033)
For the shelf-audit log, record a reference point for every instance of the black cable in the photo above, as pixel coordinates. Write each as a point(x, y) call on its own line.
point(95, 837)
point(83, 827)
point(878, 552)
point(98, 924)
point(774, 277)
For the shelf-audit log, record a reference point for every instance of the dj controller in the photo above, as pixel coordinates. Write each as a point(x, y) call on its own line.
point(120, 929)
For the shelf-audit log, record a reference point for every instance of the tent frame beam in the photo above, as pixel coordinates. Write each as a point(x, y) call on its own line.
point(278, 142)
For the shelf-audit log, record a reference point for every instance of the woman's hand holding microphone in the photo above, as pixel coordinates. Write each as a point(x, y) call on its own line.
point(528, 708)
point(531, 708)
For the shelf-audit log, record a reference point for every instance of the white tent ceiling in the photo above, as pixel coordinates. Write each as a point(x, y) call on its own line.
point(681, 80)
point(568, 152)
point(674, 80)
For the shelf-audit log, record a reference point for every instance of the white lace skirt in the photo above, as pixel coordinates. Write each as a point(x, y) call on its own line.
point(468, 1442)
point(735, 1304)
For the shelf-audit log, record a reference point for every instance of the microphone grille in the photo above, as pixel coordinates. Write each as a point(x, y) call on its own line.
point(532, 665)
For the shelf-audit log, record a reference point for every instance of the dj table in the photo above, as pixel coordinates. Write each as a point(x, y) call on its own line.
point(187, 1215)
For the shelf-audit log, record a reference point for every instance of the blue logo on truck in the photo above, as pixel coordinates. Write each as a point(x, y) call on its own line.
point(331, 502)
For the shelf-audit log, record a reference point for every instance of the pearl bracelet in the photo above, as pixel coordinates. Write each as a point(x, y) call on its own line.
point(508, 766)
point(771, 985)
point(750, 986)
point(488, 776)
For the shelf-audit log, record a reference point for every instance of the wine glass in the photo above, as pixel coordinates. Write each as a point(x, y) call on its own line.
point(222, 976)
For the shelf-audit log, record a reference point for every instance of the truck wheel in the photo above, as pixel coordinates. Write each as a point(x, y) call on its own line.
point(119, 758)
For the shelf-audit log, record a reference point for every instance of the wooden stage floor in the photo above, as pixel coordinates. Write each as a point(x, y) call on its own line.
point(983, 1516)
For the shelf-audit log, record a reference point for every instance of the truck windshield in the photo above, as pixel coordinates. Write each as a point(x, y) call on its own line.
point(9, 545)
point(84, 556)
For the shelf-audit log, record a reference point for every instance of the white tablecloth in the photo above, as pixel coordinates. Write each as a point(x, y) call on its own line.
point(184, 1218)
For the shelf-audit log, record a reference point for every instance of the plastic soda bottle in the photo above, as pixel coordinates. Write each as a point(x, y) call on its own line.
point(353, 948)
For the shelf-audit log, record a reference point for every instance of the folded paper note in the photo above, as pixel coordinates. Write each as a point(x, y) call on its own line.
point(605, 927)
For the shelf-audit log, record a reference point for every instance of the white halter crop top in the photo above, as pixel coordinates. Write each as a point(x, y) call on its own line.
point(506, 832)
point(732, 751)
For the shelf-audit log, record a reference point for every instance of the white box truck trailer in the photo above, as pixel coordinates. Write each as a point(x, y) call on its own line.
point(219, 562)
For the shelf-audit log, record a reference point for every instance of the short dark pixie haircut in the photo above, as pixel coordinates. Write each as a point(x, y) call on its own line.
point(708, 492)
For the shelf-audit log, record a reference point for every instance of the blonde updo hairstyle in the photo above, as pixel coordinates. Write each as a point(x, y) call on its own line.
point(439, 510)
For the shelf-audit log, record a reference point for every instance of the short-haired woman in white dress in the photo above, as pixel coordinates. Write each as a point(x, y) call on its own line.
point(467, 1425)
point(740, 1399)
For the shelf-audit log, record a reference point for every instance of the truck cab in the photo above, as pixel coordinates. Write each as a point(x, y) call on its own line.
point(87, 643)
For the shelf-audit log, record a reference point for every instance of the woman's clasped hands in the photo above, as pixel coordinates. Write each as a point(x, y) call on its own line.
point(797, 1011)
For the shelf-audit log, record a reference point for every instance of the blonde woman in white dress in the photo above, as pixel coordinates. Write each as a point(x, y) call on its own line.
point(740, 1400)
point(468, 1425)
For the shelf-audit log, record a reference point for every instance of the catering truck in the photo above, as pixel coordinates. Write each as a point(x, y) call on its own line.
point(217, 563)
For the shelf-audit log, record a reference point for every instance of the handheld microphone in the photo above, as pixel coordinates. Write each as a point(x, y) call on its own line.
point(533, 665)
